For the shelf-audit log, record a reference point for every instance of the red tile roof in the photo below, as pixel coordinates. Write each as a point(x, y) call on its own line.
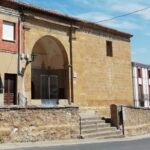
point(66, 17)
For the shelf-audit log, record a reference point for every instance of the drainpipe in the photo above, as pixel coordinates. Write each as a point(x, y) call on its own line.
point(20, 74)
point(19, 63)
point(19, 46)
point(71, 67)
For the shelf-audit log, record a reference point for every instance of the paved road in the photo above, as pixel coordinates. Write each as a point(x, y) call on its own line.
point(143, 144)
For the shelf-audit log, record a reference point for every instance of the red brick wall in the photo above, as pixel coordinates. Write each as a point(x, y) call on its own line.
point(6, 45)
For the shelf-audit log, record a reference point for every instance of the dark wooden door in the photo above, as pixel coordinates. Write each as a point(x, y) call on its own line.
point(10, 89)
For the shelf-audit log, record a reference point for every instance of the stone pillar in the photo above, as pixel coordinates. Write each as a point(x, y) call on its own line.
point(70, 82)
point(27, 83)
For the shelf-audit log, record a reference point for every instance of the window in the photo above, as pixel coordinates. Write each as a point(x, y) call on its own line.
point(8, 31)
point(140, 92)
point(141, 96)
point(1, 85)
point(139, 73)
point(149, 74)
point(149, 92)
point(109, 48)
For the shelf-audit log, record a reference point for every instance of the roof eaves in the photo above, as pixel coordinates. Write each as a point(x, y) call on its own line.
point(73, 19)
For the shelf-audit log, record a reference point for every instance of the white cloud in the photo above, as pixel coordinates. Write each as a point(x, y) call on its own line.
point(120, 6)
point(122, 25)
point(97, 16)
point(89, 3)
point(140, 51)
point(130, 7)
point(94, 16)
point(145, 14)
point(147, 34)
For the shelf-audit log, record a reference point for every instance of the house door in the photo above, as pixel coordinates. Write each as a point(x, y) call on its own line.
point(10, 89)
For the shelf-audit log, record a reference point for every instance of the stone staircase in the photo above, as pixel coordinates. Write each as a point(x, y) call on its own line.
point(95, 127)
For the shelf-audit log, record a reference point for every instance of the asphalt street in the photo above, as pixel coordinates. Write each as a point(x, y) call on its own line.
point(143, 144)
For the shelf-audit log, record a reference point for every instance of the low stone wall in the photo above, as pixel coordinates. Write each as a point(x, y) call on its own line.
point(38, 124)
point(136, 121)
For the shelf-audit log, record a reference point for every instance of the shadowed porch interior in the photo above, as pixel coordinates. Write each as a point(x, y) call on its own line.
point(49, 70)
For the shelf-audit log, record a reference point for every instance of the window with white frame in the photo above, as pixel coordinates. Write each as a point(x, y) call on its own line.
point(8, 31)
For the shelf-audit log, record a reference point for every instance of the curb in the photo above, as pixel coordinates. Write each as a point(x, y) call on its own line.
point(7, 146)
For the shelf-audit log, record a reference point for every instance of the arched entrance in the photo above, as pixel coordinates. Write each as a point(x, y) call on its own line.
point(50, 79)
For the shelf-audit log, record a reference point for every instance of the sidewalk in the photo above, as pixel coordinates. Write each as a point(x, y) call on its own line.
point(65, 143)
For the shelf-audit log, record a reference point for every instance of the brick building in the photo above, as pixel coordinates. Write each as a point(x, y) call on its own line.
point(141, 82)
point(49, 58)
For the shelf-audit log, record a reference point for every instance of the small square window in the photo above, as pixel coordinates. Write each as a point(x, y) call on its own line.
point(109, 48)
point(8, 31)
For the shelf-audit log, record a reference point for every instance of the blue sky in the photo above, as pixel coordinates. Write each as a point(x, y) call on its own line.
point(94, 10)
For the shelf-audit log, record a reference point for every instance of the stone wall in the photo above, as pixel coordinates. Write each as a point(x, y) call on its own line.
point(102, 111)
point(136, 121)
point(38, 124)
point(101, 80)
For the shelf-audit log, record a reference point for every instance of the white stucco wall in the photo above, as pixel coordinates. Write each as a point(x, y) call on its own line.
point(144, 81)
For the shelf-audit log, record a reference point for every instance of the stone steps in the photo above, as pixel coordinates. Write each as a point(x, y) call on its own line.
point(91, 119)
point(84, 131)
point(92, 122)
point(99, 134)
point(110, 137)
point(95, 127)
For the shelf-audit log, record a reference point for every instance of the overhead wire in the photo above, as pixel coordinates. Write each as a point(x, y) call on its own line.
point(124, 15)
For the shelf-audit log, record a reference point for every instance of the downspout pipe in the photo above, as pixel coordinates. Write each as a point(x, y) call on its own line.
point(20, 21)
point(71, 65)
point(20, 42)
point(19, 54)
point(20, 74)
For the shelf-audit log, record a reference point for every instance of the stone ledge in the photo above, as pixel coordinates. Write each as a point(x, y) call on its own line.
point(132, 107)
point(33, 107)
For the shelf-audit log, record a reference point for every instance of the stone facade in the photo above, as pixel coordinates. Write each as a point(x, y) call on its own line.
point(95, 81)
point(38, 124)
point(100, 81)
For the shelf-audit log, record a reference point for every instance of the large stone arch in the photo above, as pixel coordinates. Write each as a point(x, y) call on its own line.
point(49, 70)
